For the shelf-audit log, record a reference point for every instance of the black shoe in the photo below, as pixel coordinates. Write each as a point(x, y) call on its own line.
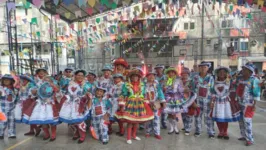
point(183, 129)
point(211, 136)
point(197, 134)
point(164, 126)
point(46, 138)
point(141, 128)
point(119, 134)
point(80, 141)
point(104, 143)
point(242, 139)
point(51, 140)
point(12, 137)
point(1, 137)
point(226, 137)
point(219, 136)
point(171, 132)
point(75, 138)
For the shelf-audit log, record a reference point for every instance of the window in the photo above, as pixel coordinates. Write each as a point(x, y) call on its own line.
point(208, 42)
point(234, 43)
point(224, 24)
point(227, 23)
point(192, 25)
point(230, 23)
point(243, 44)
point(60, 29)
point(189, 25)
point(244, 23)
point(185, 26)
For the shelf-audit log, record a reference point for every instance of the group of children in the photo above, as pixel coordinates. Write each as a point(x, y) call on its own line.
point(84, 102)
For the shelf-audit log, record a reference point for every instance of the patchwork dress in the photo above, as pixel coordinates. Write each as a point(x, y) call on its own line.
point(24, 94)
point(7, 107)
point(247, 92)
point(105, 82)
point(202, 87)
point(98, 118)
point(154, 94)
point(63, 83)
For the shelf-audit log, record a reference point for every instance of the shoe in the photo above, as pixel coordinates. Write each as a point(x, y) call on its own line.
point(52, 139)
point(38, 131)
point(147, 135)
point(46, 138)
point(12, 137)
point(104, 143)
point(186, 133)
point(164, 126)
point(29, 133)
point(171, 132)
point(119, 134)
point(158, 137)
point(211, 136)
point(249, 143)
point(137, 138)
point(183, 129)
point(242, 139)
point(197, 134)
point(176, 130)
point(141, 127)
point(226, 137)
point(1, 137)
point(80, 141)
point(220, 136)
point(110, 132)
point(75, 138)
point(129, 142)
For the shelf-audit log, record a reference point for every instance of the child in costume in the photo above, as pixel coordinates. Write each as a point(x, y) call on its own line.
point(160, 77)
point(248, 92)
point(136, 108)
point(74, 109)
point(100, 112)
point(202, 85)
point(106, 80)
point(154, 94)
point(175, 102)
point(7, 104)
point(91, 78)
point(222, 112)
point(116, 96)
point(64, 81)
point(45, 112)
point(26, 85)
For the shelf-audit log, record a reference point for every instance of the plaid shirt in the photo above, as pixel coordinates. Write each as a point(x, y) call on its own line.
point(6, 105)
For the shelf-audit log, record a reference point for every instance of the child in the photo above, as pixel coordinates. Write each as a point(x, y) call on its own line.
point(16, 79)
point(116, 93)
point(100, 114)
point(7, 101)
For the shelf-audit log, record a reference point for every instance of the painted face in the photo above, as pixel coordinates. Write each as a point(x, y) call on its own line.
point(7, 82)
point(171, 74)
point(68, 73)
point(159, 70)
point(117, 80)
point(99, 93)
point(134, 78)
point(79, 77)
point(150, 77)
point(222, 74)
point(203, 69)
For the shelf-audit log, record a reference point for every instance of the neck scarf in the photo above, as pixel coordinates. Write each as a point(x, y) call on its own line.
point(170, 81)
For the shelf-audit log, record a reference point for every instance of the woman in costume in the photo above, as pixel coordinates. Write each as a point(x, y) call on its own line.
point(39, 76)
point(74, 110)
point(222, 112)
point(175, 102)
point(116, 96)
point(154, 94)
point(91, 78)
point(136, 109)
point(26, 85)
point(45, 111)
point(7, 104)
point(120, 67)
point(100, 112)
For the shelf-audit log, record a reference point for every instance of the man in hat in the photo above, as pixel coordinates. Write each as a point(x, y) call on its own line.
point(91, 78)
point(64, 81)
point(248, 92)
point(202, 85)
point(160, 77)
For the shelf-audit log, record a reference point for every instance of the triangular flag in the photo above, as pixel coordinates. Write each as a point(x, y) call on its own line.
point(98, 20)
point(67, 15)
point(78, 14)
point(38, 34)
point(91, 3)
point(45, 18)
point(56, 2)
point(90, 10)
point(68, 2)
point(34, 21)
point(57, 16)
point(10, 6)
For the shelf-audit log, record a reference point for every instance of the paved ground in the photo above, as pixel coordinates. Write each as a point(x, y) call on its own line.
point(171, 142)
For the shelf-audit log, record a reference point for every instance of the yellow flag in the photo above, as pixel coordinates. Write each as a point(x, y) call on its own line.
point(45, 18)
point(91, 3)
point(21, 54)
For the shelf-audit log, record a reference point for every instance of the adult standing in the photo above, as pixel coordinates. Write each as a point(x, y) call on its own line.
point(202, 85)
